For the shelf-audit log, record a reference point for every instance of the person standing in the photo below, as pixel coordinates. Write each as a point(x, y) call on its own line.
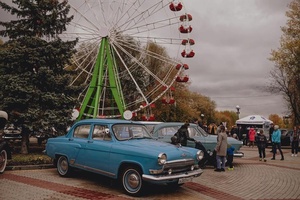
point(261, 142)
point(295, 141)
point(251, 135)
point(271, 130)
point(183, 134)
point(230, 152)
point(233, 130)
point(276, 141)
point(219, 128)
point(221, 149)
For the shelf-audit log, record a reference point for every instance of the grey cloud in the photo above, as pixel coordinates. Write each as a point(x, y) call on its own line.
point(234, 41)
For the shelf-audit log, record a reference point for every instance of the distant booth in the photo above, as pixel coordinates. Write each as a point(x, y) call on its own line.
point(257, 121)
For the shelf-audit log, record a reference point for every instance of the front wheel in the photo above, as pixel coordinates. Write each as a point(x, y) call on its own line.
point(3, 160)
point(63, 167)
point(132, 181)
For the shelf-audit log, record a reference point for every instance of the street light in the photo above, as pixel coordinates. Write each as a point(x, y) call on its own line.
point(202, 117)
point(238, 111)
point(202, 122)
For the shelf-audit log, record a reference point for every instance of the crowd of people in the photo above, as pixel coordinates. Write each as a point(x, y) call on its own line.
point(254, 137)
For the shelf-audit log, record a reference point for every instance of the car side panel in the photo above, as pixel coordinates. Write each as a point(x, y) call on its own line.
point(63, 147)
point(97, 156)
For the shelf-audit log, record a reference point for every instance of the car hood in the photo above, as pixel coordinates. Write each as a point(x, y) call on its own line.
point(152, 147)
point(213, 138)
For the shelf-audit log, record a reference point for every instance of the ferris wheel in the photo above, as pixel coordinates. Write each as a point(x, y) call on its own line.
point(130, 53)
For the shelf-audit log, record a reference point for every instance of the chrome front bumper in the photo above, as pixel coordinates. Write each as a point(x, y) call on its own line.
point(172, 177)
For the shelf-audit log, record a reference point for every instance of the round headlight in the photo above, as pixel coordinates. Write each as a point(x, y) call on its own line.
point(162, 159)
point(200, 155)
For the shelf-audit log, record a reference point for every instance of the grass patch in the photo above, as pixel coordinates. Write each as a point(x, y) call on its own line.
point(29, 159)
point(34, 157)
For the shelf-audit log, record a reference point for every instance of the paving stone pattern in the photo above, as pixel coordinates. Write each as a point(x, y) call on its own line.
point(251, 179)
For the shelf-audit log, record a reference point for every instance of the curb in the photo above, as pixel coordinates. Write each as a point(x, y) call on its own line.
point(28, 167)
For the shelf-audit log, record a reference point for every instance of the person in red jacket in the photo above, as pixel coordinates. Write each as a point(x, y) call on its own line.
point(251, 134)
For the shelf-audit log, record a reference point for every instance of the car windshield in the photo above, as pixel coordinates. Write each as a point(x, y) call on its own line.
point(172, 129)
point(197, 131)
point(130, 131)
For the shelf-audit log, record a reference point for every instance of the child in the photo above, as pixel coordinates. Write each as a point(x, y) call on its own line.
point(261, 141)
point(230, 152)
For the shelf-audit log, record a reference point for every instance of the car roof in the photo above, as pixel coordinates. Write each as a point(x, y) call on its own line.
point(108, 121)
point(150, 122)
point(164, 124)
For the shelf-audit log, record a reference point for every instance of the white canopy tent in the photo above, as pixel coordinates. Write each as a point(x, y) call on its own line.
point(254, 120)
point(257, 121)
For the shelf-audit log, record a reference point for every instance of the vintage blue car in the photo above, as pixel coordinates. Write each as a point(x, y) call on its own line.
point(164, 132)
point(123, 150)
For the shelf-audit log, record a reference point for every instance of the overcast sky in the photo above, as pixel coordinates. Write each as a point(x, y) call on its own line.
point(234, 39)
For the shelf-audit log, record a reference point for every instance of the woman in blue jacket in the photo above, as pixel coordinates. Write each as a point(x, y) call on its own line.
point(276, 140)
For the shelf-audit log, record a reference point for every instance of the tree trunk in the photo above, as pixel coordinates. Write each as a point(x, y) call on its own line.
point(25, 142)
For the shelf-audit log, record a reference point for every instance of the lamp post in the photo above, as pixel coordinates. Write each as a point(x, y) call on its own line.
point(202, 122)
point(238, 127)
point(238, 111)
point(202, 117)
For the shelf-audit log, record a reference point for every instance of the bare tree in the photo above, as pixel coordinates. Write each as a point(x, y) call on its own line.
point(286, 74)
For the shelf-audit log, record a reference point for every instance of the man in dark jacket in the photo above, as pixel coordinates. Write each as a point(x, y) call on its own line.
point(183, 134)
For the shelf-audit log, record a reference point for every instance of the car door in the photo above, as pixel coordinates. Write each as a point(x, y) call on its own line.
point(98, 149)
point(80, 140)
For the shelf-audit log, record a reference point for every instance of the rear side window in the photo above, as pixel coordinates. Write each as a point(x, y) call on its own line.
point(101, 132)
point(167, 131)
point(82, 131)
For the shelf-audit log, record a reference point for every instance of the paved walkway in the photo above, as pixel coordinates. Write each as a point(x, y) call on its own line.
point(251, 179)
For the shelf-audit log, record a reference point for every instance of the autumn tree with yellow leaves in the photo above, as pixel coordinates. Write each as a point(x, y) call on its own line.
point(286, 72)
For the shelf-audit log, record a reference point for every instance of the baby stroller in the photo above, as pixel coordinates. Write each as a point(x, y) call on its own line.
point(209, 156)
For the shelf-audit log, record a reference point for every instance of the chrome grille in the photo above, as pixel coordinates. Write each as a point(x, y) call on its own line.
point(178, 165)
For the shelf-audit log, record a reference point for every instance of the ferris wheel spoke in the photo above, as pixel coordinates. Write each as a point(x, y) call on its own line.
point(83, 61)
point(153, 26)
point(142, 15)
point(149, 53)
point(140, 64)
point(163, 82)
point(122, 12)
point(82, 15)
point(84, 29)
point(92, 10)
point(129, 72)
point(159, 40)
point(145, 97)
